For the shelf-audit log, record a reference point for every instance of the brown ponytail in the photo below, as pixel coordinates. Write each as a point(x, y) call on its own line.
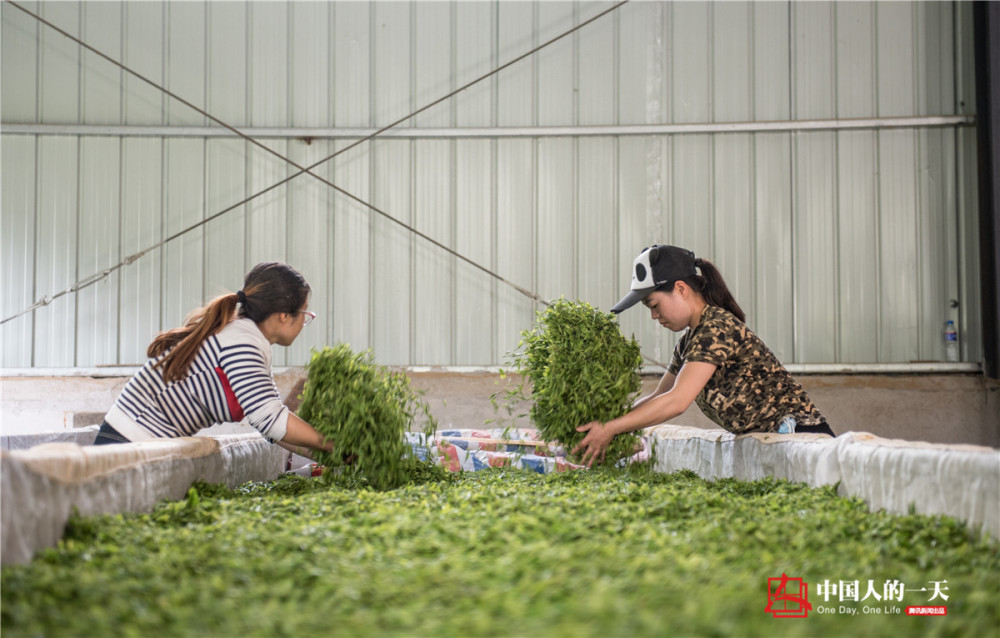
point(267, 289)
point(184, 342)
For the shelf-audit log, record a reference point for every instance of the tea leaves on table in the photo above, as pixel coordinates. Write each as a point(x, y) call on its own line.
point(496, 552)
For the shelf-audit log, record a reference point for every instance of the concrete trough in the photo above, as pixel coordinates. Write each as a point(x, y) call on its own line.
point(61, 470)
point(43, 485)
point(962, 481)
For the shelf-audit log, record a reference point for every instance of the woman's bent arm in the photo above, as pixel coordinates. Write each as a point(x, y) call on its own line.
point(665, 384)
point(301, 434)
point(657, 409)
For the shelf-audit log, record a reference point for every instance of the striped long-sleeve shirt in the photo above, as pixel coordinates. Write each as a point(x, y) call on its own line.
point(228, 380)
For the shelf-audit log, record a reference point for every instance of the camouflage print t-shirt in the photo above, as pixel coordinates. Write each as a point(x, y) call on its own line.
point(750, 390)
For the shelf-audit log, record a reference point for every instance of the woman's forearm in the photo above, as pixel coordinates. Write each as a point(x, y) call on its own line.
point(301, 434)
point(653, 410)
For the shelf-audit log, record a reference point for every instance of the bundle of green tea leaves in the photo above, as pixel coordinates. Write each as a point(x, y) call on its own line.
point(581, 369)
point(365, 409)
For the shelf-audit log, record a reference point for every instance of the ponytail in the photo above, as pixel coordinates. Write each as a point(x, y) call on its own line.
point(183, 343)
point(268, 288)
point(712, 287)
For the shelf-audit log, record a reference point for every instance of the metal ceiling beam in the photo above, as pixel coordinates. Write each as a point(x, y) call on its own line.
point(931, 121)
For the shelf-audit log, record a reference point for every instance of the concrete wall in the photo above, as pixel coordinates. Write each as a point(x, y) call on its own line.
point(936, 408)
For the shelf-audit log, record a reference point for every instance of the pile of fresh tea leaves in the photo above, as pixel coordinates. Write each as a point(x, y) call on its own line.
point(580, 368)
point(365, 409)
point(504, 553)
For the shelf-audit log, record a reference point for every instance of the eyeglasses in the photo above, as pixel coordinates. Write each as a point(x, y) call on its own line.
point(310, 315)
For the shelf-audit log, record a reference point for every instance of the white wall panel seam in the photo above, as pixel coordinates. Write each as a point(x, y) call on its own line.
point(414, 157)
point(793, 181)
point(78, 247)
point(34, 238)
point(837, 277)
point(453, 186)
point(616, 65)
point(496, 348)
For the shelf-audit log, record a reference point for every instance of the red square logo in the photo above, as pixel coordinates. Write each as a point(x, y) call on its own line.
point(787, 597)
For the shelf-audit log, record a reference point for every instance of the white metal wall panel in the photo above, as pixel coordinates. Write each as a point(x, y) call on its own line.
point(267, 65)
point(733, 247)
point(633, 232)
point(373, 69)
point(145, 52)
point(310, 237)
point(184, 258)
point(352, 63)
point(516, 34)
point(858, 245)
point(516, 237)
point(688, 217)
point(517, 176)
point(771, 58)
point(141, 296)
point(184, 56)
point(100, 97)
point(431, 61)
point(17, 246)
point(971, 338)
point(555, 89)
point(475, 234)
point(771, 314)
point(392, 272)
point(225, 236)
point(433, 269)
point(267, 216)
point(226, 60)
point(310, 51)
point(59, 65)
point(19, 32)
point(55, 250)
point(597, 273)
point(898, 214)
point(475, 55)
point(475, 185)
point(841, 246)
point(967, 315)
point(897, 247)
point(773, 309)
point(937, 240)
point(813, 156)
point(349, 250)
point(557, 221)
point(96, 337)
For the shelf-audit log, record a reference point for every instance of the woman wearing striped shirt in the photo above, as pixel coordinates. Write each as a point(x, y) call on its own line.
point(216, 368)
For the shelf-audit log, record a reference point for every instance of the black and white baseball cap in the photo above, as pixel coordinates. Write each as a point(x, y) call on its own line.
point(654, 267)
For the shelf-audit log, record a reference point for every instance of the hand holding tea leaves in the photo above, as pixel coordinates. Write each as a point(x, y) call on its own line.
point(595, 445)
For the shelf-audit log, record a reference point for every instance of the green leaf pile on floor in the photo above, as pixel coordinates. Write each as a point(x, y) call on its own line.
point(498, 553)
point(365, 409)
point(581, 369)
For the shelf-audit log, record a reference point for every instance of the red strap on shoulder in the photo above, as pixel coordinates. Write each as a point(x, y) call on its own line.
point(234, 405)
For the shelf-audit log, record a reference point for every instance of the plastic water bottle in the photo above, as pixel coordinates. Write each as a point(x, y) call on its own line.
point(950, 341)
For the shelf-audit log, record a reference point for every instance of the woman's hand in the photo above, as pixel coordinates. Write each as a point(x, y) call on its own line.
point(595, 444)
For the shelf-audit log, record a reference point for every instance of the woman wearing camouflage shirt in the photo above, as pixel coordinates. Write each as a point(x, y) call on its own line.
point(718, 362)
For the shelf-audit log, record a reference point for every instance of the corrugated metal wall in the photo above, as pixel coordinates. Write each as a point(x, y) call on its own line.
point(841, 245)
